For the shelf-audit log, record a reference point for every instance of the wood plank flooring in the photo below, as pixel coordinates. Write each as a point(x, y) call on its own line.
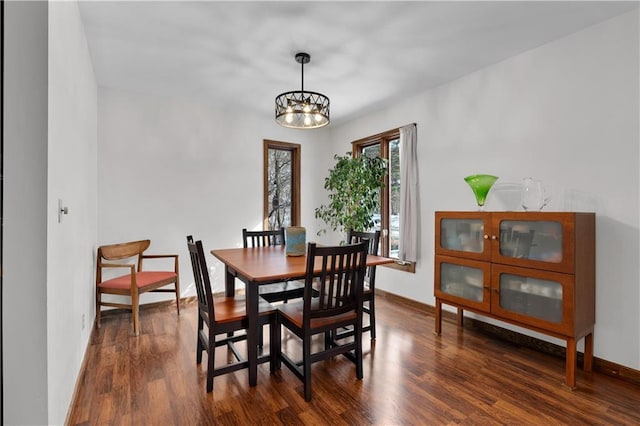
point(411, 377)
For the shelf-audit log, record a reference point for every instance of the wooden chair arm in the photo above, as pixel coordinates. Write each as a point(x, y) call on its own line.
point(131, 266)
point(160, 256)
point(118, 265)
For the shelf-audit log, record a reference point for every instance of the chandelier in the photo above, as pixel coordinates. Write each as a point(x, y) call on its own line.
point(302, 109)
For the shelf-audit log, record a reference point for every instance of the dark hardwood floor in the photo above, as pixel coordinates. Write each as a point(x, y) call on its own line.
point(411, 377)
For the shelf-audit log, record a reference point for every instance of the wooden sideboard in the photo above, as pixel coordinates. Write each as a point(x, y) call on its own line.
point(535, 270)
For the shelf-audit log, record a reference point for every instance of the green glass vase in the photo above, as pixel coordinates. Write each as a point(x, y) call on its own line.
point(480, 185)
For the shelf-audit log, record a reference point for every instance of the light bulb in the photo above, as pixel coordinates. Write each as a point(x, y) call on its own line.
point(288, 118)
point(318, 118)
point(306, 108)
point(307, 119)
point(289, 109)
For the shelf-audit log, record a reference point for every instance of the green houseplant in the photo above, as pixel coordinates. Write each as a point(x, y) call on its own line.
point(354, 185)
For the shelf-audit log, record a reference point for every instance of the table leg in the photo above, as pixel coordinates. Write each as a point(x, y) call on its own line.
point(230, 282)
point(253, 329)
point(229, 285)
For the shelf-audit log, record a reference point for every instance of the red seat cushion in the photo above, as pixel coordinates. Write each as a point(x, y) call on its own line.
point(143, 279)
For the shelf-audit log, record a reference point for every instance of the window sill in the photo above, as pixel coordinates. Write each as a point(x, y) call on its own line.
point(407, 266)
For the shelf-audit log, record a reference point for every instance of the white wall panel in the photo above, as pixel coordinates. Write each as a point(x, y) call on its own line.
point(72, 177)
point(24, 263)
point(172, 169)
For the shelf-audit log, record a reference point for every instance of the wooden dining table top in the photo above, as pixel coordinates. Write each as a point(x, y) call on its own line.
point(267, 264)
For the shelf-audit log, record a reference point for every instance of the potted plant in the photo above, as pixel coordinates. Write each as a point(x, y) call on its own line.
point(354, 185)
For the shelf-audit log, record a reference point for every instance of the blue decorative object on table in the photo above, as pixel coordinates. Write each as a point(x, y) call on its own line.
point(296, 240)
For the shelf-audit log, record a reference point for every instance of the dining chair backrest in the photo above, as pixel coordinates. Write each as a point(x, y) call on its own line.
point(201, 280)
point(123, 251)
point(373, 239)
point(279, 290)
point(339, 282)
point(262, 238)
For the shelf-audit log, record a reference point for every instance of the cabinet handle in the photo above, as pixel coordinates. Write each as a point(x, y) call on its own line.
point(493, 237)
point(485, 236)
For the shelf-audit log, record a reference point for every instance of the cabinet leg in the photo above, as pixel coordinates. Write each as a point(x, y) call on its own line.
point(438, 329)
point(571, 363)
point(588, 352)
point(460, 317)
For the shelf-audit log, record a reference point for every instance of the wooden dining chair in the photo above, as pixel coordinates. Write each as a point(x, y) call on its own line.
point(339, 304)
point(223, 316)
point(280, 291)
point(368, 294)
point(137, 281)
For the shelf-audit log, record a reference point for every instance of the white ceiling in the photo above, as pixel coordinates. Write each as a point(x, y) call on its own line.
point(363, 54)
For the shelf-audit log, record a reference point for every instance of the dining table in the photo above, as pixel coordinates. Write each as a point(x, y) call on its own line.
point(263, 265)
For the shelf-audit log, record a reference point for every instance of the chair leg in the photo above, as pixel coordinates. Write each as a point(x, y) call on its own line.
point(328, 338)
point(178, 295)
point(372, 317)
point(275, 342)
point(136, 310)
point(199, 345)
point(211, 357)
point(306, 367)
point(98, 301)
point(358, 351)
point(260, 336)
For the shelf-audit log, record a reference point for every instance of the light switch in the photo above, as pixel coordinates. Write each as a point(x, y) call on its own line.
point(61, 210)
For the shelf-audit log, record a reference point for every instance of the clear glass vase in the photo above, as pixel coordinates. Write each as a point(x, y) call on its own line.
point(534, 195)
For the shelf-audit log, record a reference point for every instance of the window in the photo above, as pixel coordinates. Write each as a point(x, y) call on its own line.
point(281, 184)
point(387, 218)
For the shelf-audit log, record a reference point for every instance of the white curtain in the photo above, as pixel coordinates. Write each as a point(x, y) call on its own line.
point(408, 247)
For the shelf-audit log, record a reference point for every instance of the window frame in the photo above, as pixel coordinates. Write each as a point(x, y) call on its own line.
point(383, 140)
point(295, 150)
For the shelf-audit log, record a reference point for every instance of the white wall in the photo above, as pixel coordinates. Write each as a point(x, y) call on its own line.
point(171, 169)
point(50, 152)
point(24, 263)
point(567, 113)
point(50, 148)
point(72, 176)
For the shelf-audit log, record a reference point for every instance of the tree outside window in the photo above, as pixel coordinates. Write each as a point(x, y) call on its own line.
point(387, 218)
point(281, 184)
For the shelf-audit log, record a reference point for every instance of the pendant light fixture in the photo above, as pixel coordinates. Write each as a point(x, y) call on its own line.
point(302, 109)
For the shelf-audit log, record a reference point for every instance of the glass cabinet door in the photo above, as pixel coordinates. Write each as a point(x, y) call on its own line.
point(538, 240)
point(465, 281)
point(532, 296)
point(462, 234)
